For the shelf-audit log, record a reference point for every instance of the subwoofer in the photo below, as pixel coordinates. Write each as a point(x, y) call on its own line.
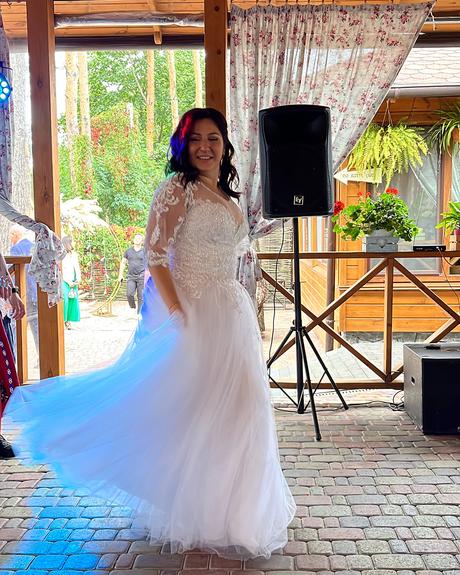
point(432, 386)
point(295, 161)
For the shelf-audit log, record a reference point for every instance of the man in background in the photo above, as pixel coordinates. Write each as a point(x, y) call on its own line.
point(135, 259)
point(22, 244)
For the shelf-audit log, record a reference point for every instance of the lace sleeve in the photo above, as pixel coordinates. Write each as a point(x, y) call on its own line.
point(167, 214)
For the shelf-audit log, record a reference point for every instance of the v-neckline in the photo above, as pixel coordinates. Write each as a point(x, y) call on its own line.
point(238, 224)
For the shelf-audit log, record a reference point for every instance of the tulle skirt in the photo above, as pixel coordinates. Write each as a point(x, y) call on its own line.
point(180, 429)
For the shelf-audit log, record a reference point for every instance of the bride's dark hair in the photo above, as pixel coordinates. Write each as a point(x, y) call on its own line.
point(178, 158)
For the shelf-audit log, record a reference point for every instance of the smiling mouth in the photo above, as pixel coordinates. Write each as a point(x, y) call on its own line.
point(205, 157)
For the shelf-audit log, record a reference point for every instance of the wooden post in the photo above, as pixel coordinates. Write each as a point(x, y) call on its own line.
point(21, 325)
point(215, 45)
point(388, 320)
point(41, 42)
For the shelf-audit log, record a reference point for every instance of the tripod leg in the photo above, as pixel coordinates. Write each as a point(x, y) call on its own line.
point(300, 345)
point(300, 383)
point(323, 365)
point(280, 347)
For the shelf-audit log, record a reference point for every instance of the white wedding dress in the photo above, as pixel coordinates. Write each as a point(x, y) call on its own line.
point(181, 427)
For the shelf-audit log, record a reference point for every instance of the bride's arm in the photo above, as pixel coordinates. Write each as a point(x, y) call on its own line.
point(165, 284)
point(167, 214)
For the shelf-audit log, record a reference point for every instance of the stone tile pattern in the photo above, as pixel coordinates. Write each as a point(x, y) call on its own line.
point(375, 496)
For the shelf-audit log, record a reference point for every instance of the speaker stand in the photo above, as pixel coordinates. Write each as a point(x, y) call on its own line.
point(300, 333)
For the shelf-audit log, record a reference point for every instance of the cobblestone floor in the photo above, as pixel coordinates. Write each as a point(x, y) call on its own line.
point(375, 496)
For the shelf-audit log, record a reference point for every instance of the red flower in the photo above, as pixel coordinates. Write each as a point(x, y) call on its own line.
point(392, 191)
point(338, 207)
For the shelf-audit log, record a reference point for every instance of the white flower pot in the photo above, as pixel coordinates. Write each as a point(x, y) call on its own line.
point(380, 241)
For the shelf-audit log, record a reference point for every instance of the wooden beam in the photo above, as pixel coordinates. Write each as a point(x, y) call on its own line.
point(215, 45)
point(41, 41)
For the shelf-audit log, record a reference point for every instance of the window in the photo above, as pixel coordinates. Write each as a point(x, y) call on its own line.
point(420, 189)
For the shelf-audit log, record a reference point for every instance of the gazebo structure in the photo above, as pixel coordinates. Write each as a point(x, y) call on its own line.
point(46, 25)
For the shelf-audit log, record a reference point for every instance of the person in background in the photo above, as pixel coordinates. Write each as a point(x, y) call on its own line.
point(71, 277)
point(135, 258)
point(22, 244)
point(8, 376)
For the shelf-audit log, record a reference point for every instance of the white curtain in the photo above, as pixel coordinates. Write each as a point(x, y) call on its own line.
point(343, 57)
point(48, 249)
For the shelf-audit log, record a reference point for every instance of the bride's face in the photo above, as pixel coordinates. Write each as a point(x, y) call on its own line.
point(206, 147)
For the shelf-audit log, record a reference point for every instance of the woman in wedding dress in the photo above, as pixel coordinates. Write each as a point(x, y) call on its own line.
point(181, 427)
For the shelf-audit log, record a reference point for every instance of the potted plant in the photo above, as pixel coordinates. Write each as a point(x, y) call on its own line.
point(388, 149)
point(381, 220)
point(445, 132)
point(451, 221)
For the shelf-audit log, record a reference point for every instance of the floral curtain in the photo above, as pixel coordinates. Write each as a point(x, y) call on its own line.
point(48, 248)
point(344, 57)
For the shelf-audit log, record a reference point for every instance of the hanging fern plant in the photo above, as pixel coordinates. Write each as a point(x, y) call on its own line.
point(442, 134)
point(389, 149)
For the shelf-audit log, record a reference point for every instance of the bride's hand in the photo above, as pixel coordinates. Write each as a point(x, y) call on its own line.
point(177, 315)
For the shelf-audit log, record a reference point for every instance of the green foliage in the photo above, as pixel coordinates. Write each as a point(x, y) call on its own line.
point(124, 174)
point(115, 168)
point(65, 182)
point(387, 212)
point(451, 220)
point(100, 251)
point(120, 77)
point(83, 159)
point(441, 134)
point(392, 149)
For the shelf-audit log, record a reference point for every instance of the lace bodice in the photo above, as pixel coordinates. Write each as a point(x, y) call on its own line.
point(195, 234)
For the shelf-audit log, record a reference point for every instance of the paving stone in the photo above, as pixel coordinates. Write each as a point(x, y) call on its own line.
point(158, 561)
point(196, 561)
point(398, 546)
point(15, 562)
point(276, 562)
point(108, 561)
point(392, 521)
point(312, 562)
point(359, 562)
point(441, 562)
point(222, 563)
point(373, 546)
point(398, 561)
point(319, 548)
point(82, 561)
point(344, 547)
point(49, 562)
point(106, 546)
point(432, 546)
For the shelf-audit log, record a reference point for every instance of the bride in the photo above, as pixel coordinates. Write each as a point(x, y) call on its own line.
point(180, 428)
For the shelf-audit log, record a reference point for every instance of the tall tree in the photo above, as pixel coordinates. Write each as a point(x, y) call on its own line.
point(198, 78)
point(85, 117)
point(173, 89)
point(71, 111)
point(150, 124)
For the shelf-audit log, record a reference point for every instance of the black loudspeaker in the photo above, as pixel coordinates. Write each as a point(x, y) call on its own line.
point(432, 386)
point(295, 161)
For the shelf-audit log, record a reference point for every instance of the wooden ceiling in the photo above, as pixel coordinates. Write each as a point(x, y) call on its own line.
point(440, 31)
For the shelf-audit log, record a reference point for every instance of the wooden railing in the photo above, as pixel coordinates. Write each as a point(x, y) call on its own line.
point(388, 264)
point(18, 266)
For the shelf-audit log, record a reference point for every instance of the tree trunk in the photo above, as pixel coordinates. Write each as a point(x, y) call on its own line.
point(173, 89)
point(85, 117)
point(71, 112)
point(150, 128)
point(198, 78)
